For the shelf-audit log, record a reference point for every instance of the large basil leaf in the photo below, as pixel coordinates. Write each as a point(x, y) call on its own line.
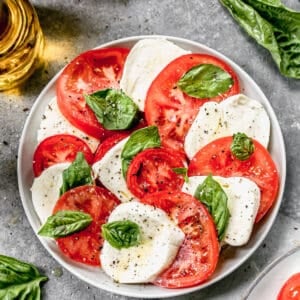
point(211, 194)
point(65, 222)
point(77, 174)
point(121, 234)
point(138, 141)
point(205, 81)
point(113, 109)
point(19, 280)
point(274, 27)
point(242, 146)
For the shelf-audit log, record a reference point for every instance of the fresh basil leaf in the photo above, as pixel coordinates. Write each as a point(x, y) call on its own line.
point(242, 146)
point(138, 141)
point(211, 194)
point(205, 81)
point(113, 109)
point(77, 174)
point(65, 222)
point(273, 26)
point(19, 280)
point(121, 234)
point(182, 171)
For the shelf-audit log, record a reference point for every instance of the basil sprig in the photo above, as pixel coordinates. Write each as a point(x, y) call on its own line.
point(19, 280)
point(205, 81)
point(138, 141)
point(113, 109)
point(182, 171)
point(273, 26)
point(242, 146)
point(77, 174)
point(122, 234)
point(65, 222)
point(211, 194)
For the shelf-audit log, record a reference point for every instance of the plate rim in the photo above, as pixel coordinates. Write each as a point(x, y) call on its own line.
point(165, 292)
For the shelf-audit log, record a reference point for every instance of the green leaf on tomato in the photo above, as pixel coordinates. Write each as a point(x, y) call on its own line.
point(242, 146)
point(138, 141)
point(121, 234)
point(211, 194)
point(64, 223)
point(113, 109)
point(77, 174)
point(273, 26)
point(19, 280)
point(205, 81)
point(182, 171)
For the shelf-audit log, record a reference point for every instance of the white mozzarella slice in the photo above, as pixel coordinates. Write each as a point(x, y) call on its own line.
point(144, 62)
point(45, 190)
point(109, 171)
point(243, 203)
point(237, 113)
point(53, 122)
point(160, 241)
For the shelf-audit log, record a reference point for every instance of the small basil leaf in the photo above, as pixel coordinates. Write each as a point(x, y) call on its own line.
point(65, 222)
point(211, 194)
point(19, 280)
point(182, 171)
point(77, 174)
point(242, 146)
point(138, 141)
point(121, 234)
point(205, 81)
point(113, 109)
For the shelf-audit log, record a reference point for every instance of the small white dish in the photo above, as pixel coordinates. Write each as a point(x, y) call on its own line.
point(230, 259)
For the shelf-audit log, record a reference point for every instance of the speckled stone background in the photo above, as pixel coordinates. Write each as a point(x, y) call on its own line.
point(73, 26)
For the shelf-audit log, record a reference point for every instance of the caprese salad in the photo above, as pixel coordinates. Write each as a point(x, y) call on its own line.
point(149, 160)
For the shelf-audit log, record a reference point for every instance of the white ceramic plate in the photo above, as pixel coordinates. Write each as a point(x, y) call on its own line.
point(271, 280)
point(230, 260)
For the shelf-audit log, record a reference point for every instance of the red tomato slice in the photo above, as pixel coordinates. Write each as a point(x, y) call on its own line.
point(198, 255)
point(90, 71)
point(152, 170)
point(57, 149)
point(84, 246)
point(108, 144)
point(291, 289)
point(216, 158)
point(173, 111)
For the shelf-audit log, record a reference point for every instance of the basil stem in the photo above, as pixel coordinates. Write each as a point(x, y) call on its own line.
point(121, 234)
point(273, 26)
point(113, 109)
point(211, 194)
point(242, 146)
point(138, 141)
point(205, 81)
point(77, 174)
point(64, 223)
point(19, 280)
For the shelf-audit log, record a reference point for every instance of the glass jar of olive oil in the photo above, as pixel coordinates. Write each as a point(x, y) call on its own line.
point(21, 42)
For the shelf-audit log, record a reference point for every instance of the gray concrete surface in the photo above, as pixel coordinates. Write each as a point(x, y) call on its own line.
point(71, 27)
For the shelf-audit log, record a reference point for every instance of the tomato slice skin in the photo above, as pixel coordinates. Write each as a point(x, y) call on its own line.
point(198, 255)
point(173, 111)
point(57, 149)
point(291, 289)
point(84, 246)
point(216, 158)
point(89, 72)
point(152, 170)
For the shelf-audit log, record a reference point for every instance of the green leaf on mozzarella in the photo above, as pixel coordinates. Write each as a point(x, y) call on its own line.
point(243, 203)
point(159, 243)
point(215, 120)
point(113, 109)
point(144, 62)
point(45, 190)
